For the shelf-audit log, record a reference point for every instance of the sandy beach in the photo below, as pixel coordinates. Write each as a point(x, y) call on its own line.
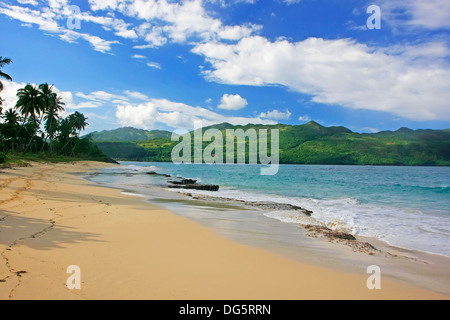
point(127, 248)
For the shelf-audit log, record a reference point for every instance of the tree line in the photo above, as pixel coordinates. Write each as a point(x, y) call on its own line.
point(35, 125)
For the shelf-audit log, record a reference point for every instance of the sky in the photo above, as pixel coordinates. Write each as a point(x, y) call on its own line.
point(165, 64)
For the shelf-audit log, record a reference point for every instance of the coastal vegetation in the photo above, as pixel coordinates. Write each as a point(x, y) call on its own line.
point(36, 130)
point(310, 143)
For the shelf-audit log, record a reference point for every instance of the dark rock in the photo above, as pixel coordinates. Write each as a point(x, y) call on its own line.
point(307, 212)
point(277, 206)
point(109, 160)
point(153, 173)
point(330, 234)
point(183, 182)
point(196, 187)
point(341, 235)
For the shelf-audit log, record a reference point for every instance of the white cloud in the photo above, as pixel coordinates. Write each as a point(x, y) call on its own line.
point(119, 26)
point(138, 56)
point(100, 96)
point(154, 65)
point(9, 93)
point(31, 2)
point(141, 116)
point(407, 82)
point(156, 23)
point(175, 115)
point(290, 2)
point(136, 95)
point(174, 21)
point(47, 20)
point(144, 115)
point(430, 14)
point(304, 118)
point(104, 4)
point(228, 3)
point(276, 115)
point(232, 102)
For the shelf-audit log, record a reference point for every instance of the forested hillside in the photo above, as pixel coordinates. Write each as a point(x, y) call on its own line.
point(310, 143)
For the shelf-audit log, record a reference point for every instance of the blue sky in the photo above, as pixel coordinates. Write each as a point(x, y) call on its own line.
point(164, 64)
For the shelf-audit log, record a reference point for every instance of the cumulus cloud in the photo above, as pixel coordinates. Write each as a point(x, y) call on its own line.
point(9, 93)
point(176, 115)
point(102, 98)
point(276, 115)
point(232, 102)
point(136, 95)
point(304, 118)
point(166, 21)
point(154, 23)
point(403, 81)
point(130, 111)
point(430, 14)
point(47, 19)
point(119, 26)
point(31, 2)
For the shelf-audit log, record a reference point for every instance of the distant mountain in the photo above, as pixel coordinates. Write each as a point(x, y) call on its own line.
point(311, 143)
point(128, 134)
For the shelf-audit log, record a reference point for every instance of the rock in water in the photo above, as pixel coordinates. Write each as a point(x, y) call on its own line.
point(183, 182)
point(196, 187)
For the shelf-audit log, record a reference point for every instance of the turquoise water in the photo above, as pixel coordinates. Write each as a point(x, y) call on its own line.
point(407, 207)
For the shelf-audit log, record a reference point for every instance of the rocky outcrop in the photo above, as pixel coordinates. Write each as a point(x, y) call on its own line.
point(110, 160)
point(347, 239)
point(328, 233)
point(183, 182)
point(195, 187)
point(153, 173)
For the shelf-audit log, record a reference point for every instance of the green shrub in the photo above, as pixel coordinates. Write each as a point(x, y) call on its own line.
point(2, 157)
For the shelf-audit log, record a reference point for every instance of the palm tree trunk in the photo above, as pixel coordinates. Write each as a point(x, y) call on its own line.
point(33, 136)
point(67, 143)
point(43, 144)
point(18, 134)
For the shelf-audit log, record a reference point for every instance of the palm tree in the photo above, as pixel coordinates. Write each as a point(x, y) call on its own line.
point(70, 125)
point(47, 95)
point(52, 119)
point(79, 121)
point(30, 104)
point(66, 130)
point(51, 105)
point(11, 117)
point(30, 101)
point(3, 62)
point(11, 126)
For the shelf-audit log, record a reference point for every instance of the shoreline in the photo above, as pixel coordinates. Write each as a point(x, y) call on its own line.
point(130, 249)
point(424, 269)
point(406, 265)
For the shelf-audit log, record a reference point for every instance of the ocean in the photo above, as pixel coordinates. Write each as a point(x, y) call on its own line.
point(407, 207)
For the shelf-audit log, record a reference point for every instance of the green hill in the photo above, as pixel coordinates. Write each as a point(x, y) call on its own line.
point(128, 134)
point(311, 143)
